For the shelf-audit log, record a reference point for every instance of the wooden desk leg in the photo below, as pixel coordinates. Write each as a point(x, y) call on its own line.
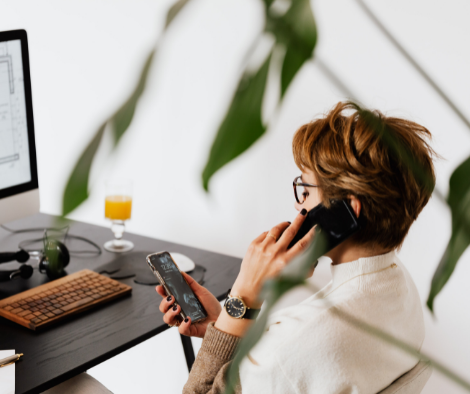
point(188, 351)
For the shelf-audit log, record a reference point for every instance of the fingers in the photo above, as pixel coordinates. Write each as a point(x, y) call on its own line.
point(161, 290)
point(274, 234)
point(290, 232)
point(166, 304)
point(172, 317)
point(185, 327)
point(302, 244)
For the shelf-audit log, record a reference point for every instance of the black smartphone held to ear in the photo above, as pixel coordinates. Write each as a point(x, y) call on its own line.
point(171, 278)
point(338, 223)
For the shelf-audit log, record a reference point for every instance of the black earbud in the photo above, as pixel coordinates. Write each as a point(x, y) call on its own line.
point(21, 256)
point(25, 272)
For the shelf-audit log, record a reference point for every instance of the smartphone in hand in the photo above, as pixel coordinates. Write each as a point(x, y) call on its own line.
point(338, 223)
point(171, 278)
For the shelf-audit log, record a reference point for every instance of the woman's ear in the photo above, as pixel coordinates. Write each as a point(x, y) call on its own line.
point(355, 204)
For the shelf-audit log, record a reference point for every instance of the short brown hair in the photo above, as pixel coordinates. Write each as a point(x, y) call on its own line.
point(351, 154)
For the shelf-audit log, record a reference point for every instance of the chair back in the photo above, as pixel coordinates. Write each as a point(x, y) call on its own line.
point(412, 382)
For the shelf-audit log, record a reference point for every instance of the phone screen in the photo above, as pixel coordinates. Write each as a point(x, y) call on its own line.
point(175, 282)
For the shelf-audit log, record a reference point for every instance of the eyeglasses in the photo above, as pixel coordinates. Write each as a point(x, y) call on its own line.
point(300, 191)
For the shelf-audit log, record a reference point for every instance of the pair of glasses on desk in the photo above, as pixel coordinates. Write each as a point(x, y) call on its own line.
point(56, 300)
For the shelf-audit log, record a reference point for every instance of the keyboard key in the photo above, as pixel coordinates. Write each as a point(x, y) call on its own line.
point(24, 313)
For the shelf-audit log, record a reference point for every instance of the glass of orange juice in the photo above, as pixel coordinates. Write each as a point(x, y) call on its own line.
point(117, 208)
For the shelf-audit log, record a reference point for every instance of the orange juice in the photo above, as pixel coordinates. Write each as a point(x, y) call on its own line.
point(118, 207)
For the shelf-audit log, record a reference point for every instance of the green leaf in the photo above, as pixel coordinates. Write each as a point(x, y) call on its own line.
point(293, 61)
point(297, 31)
point(459, 203)
point(459, 185)
point(174, 10)
point(242, 125)
point(268, 3)
point(76, 190)
point(300, 19)
point(124, 115)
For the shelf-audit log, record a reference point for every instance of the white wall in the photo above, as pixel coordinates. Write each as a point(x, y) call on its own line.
point(84, 60)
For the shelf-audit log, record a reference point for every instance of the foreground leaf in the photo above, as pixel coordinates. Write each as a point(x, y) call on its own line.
point(459, 186)
point(459, 203)
point(242, 125)
point(122, 119)
point(76, 190)
point(298, 31)
point(174, 10)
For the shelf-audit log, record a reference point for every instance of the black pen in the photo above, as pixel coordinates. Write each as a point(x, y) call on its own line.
point(10, 360)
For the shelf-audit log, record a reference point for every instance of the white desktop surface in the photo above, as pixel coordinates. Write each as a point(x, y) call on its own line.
point(7, 374)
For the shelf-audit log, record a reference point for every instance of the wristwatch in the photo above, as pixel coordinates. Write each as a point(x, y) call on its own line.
point(236, 307)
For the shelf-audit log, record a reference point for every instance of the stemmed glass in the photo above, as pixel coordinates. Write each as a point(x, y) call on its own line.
point(117, 208)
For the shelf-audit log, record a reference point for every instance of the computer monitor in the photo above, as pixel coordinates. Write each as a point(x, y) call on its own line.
point(19, 190)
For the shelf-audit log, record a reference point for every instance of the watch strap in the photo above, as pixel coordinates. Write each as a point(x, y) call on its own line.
point(251, 313)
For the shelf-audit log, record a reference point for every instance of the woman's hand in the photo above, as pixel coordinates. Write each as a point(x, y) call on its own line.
point(267, 255)
point(208, 301)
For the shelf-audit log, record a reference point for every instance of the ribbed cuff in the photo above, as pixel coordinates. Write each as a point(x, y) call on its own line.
point(219, 343)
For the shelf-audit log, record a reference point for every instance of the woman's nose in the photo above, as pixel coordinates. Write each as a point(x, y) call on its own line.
point(298, 206)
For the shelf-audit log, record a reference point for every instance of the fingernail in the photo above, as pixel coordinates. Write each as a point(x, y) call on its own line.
point(289, 222)
point(168, 298)
point(186, 320)
point(175, 308)
point(303, 212)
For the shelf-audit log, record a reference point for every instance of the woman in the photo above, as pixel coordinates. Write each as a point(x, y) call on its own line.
point(307, 348)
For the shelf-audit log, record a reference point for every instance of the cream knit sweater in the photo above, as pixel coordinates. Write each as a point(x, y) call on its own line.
point(307, 348)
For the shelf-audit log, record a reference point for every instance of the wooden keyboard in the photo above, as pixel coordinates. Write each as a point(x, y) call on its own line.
point(55, 300)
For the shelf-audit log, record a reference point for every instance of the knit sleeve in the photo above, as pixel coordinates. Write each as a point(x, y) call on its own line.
point(208, 374)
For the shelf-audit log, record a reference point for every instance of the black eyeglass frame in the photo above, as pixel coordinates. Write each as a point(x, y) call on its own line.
point(296, 183)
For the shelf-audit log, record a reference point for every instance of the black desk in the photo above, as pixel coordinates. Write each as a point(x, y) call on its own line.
point(69, 348)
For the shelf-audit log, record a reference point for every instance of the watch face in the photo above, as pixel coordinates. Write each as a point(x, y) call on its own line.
point(235, 307)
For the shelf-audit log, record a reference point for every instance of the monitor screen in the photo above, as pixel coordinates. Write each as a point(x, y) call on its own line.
point(17, 153)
